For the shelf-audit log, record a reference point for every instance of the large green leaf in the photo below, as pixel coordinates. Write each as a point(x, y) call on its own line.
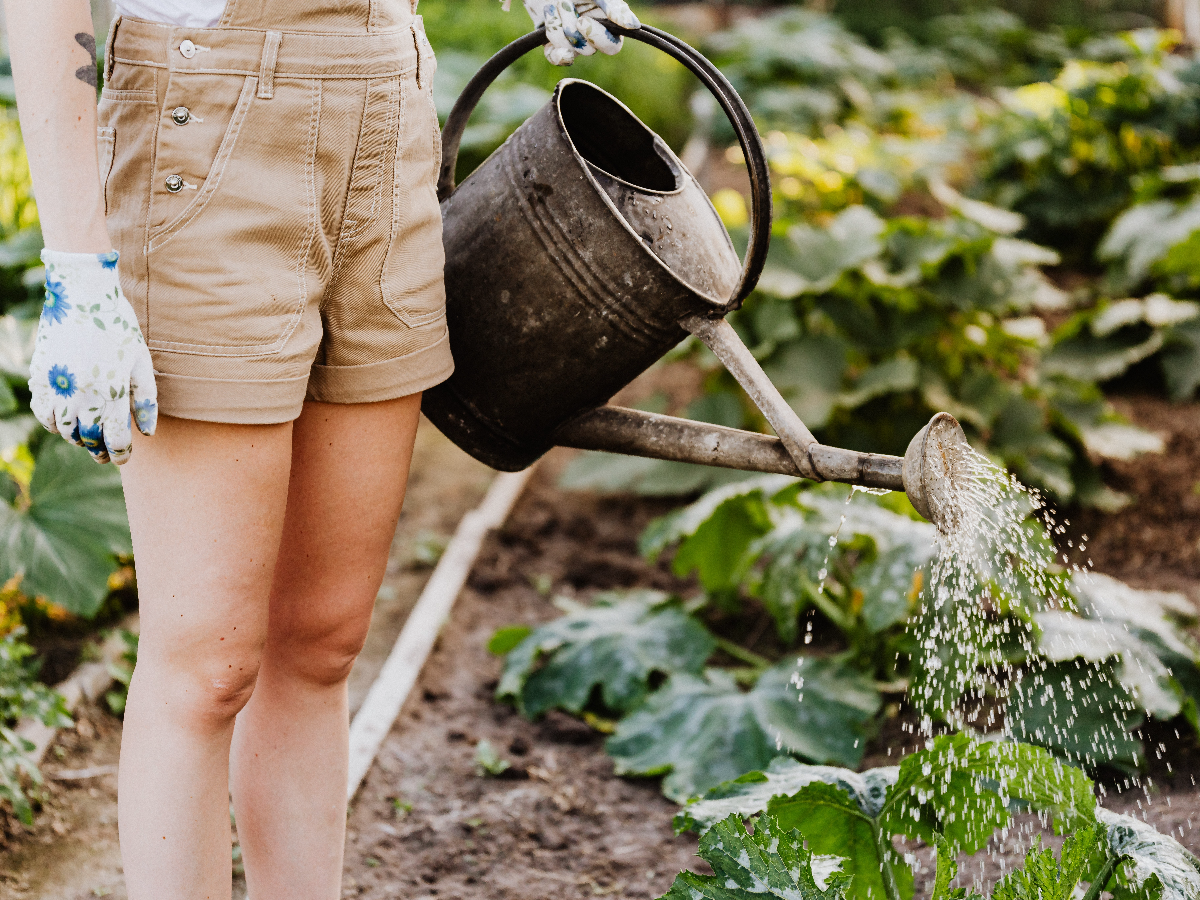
point(1157, 661)
point(752, 793)
point(716, 532)
point(702, 730)
point(1081, 711)
point(616, 645)
point(64, 542)
point(962, 788)
point(770, 863)
point(810, 259)
point(834, 822)
point(1155, 867)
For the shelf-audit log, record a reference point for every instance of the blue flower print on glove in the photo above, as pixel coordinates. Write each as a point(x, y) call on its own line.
point(91, 375)
point(56, 306)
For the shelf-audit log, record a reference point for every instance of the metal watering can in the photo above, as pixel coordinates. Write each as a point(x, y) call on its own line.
point(578, 254)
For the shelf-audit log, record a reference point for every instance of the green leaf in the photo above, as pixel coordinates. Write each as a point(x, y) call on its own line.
point(771, 863)
point(1046, 878)
point(702, 730)
point(890, 585)
point(808, 372)
point(15, 430)
point(617, 645)
point(946, 872)
point(1181, 360)
point(1099, 359)
point(1081, 711)
point(16, 347)
point(488, 760)
point(715, 533)
point(893, 376)
point(507, 638)
point(1156, 865)
point(754, 792)
point(811, 259)
point(834, 822)
point(63, 544)
point(962, 788)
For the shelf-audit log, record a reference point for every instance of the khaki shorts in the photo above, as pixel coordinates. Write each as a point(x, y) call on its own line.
point(272, 194)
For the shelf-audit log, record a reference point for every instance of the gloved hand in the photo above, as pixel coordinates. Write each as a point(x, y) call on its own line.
point(573, 29)
point(91, 373)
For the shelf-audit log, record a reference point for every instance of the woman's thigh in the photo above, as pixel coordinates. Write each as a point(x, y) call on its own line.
point(348, 476)
point(206, 507)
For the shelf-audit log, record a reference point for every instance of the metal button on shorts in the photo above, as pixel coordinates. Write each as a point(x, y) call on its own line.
point(187, 49)
point(180, 115)
point(174, 183)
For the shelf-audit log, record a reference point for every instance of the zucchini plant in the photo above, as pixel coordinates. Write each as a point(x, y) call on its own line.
point(954, 795)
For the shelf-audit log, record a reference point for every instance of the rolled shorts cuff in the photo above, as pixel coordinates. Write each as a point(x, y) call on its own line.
point(231, 400)
point(386, 380)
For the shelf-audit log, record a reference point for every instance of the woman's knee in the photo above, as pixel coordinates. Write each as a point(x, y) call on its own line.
point(318, 653)
point(204, 690)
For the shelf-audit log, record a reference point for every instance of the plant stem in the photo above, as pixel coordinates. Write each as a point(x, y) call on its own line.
point(1097, 886)
point(741, 654)
point(884, 846)
point(832, 611)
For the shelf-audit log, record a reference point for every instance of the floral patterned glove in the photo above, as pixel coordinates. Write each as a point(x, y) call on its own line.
point(91, 373)
point(573, 27)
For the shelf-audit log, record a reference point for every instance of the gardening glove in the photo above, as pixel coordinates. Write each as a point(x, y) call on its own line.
point(573, 28)
point(91, 373)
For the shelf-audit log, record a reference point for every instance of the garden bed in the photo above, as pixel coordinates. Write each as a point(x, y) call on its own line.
point(558, 823)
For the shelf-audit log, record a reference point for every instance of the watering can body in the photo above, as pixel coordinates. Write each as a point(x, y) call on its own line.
point(578, 254)
point(572, 254)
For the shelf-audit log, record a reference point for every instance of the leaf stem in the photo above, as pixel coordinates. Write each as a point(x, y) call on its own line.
point(884, 846)
point(825, 604)
point(1101, 879)
point(741, 654)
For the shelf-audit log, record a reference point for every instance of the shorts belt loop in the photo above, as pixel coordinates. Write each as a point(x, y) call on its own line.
point(266, 71)
point(109, 53)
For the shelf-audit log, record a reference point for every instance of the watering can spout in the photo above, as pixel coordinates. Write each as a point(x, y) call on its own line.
point(931, 471)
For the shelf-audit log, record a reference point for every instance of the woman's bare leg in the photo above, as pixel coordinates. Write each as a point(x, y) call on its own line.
point(349, 470)
point(206, 505)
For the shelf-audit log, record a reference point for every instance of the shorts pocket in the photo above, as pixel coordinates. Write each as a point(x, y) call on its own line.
point(106, 142)
point(412, 280)
point(228, 266)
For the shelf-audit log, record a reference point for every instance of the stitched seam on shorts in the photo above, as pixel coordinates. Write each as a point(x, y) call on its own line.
point(412, 320)
point(357, 228)
point(227, 13)
point(302, 76)
point(213, 180)
point(314, 225)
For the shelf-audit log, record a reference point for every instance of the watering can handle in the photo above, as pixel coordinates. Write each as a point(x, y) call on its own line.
point(709, 75)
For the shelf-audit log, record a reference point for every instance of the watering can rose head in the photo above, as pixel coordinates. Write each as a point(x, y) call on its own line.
point(574, 28)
